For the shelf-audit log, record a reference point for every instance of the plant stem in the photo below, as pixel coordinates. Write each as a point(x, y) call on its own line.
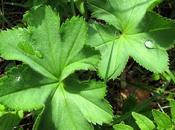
point(171, 75)
point(14, 4)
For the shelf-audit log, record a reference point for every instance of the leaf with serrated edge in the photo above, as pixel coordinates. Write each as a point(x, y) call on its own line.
point(142, 35)
point(23, 88)
point(125, 15)
point(47, 47)
point(73, 104)
point(54, 53)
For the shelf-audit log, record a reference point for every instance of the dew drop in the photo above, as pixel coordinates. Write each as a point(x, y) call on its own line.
point(39, 54)
point(149, 44)
point(18, 78)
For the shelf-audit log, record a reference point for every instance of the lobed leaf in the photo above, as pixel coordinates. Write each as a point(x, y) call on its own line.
point(48, 48)
point(54, 52)
point(142, 35)
point(125, 15)
point(74, 105)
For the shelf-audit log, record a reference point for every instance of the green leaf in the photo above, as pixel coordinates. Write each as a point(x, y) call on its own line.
point(80, 5)
point(162, 120)
point(59, 100)
point(19, 90)
point(143, 122)
point(125, 15)
point(9, 121)
point(172, 105)
point(47, 47)
point(73, 104)
point(122, 127)
point(142, 35)
point(53, 52)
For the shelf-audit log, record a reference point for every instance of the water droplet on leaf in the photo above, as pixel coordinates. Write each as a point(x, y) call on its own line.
point(18, 78)
point(149, 44)
point(39, 54)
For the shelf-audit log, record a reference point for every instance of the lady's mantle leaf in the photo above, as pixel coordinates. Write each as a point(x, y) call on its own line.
point(23, 88)
point(73, 104)
point(143, 36)
point(125, 15)
point(54, 53)
point(47, 47)
point(69, 104)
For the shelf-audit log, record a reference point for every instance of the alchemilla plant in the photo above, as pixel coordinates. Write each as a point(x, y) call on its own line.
point(51, 50)
point(132, 30)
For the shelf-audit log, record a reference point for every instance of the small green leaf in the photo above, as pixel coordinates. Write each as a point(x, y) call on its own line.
point(143, 122)
point(9, 120)
point(21, 114)
point(80, 5)
point(172, 105)
point(122, 127)
point(162, 120)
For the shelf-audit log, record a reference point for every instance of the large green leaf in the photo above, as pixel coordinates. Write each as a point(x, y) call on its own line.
point(47, 47)
point(53, 53)
point(125, 15)
point(143, 122)
point(130, 32)
point(75, 103)
point(65, 103)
